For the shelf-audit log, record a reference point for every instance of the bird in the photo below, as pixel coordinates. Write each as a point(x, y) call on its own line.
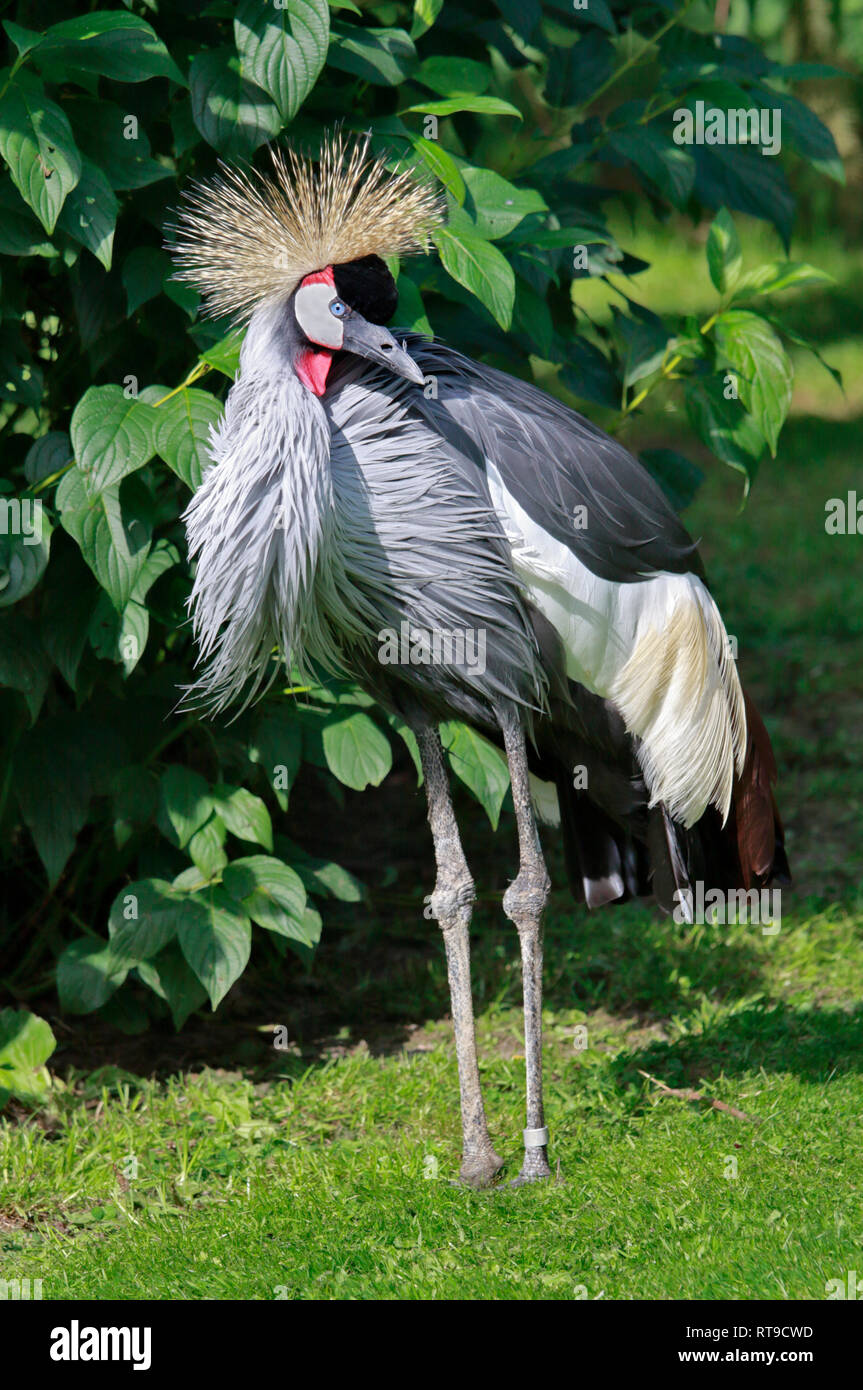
point(363, 483)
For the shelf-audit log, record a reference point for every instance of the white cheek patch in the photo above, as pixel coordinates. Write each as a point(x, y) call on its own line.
point(312, 308)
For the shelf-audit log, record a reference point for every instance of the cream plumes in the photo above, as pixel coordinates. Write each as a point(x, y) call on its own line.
point(242, 238)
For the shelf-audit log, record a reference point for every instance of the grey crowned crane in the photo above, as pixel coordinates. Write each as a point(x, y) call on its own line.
point(344, 500)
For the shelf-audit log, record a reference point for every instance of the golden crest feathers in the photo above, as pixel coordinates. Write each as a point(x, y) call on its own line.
point(242, 238)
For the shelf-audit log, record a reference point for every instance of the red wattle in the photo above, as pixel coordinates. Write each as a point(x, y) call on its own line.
point(313, 365)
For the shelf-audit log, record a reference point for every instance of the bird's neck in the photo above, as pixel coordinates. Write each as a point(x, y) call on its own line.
point(258, 524)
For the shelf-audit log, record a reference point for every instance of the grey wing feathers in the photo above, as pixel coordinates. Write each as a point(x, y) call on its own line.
point(553, 461)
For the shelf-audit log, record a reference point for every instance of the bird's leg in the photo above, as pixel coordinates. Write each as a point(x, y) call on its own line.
point(452, 906)
point(523, 903)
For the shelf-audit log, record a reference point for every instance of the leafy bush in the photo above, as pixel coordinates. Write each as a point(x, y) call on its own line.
point(116, 811)
point(26, 1043)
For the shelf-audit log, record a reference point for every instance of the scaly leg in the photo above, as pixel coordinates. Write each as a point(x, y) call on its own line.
point(452, 906)
point(523, 903)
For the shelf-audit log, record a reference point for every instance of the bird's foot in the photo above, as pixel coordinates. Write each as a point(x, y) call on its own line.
point(535, 1167)
point(480, 1169)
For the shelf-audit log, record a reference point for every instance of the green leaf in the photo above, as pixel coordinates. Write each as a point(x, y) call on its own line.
point(331, 880)
point(224, 355)
point(188, 298)
point(442, 165)
point(24, 548)
point(122, 636)
point(384, 57)
point(145, 916)
point(425, 14)
point(161, 558)
point(170, 976)
point(283, 49)
point(26, 1043)
point(47, 455)
point(670, 169)
point(113, 43)
point(144, 270)
point(114, 141)
point(23, 664)
point(135, 794)
point(575, 72)
point(485, 106)
point(231, 113)
point(558, 238)
point(69, 596)
point(270, 892)
point(644, 342)
point(766, 374)
point(90, 213)
point(739, 177)
point(217, 943)
point(206, 848)
point(186, 801)
point(479, 765)
point(277, 746)
point(37, 143)
point(21, 380)
point(88, 973)
point(409, 738)
point(58, 766)
point(21, 234)
point(244, 814)
point(453, 76)
point(112, 436)
point(595, 12)
point(804, 130)
point(780, 275)
point(114, 541)
point(183, 426)
point(25, 40)
point(678, 477)
point(724, 426)
point(410, 310)
point(357, 753)
point(800, 341)
point(119, 637)
point(533, 319)
point(481, 268)
point(496, 205)
point(724, 257)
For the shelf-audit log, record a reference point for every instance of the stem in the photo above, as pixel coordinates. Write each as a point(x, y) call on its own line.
point(664, 374)
point(634, 57)
point(200, 369)
point(52, 477)
point(169, 738)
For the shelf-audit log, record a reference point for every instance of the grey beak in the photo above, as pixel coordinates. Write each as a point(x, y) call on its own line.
point(378, 345)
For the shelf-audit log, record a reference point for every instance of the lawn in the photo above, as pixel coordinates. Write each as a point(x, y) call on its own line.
point(213, 1166)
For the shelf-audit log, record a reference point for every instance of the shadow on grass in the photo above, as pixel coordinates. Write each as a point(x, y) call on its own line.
point(811, 1043)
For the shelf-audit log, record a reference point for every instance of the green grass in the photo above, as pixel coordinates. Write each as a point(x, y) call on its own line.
point(325, 1172)
point(332, 1180)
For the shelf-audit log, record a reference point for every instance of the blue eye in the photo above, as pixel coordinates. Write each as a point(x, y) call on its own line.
point(338, 308)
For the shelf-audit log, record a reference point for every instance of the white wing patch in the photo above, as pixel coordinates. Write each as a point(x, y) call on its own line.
point(658, 648)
